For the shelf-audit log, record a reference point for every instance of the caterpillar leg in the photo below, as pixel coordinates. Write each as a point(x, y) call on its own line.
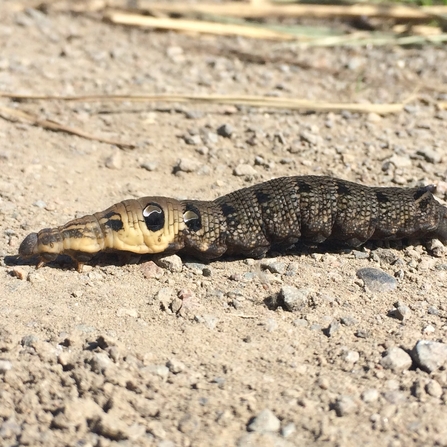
point(41, 263)
point(79, 259)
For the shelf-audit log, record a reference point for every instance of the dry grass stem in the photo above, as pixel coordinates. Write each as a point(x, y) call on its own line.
point(263, 9)
point(252, 101)
point(195, 26)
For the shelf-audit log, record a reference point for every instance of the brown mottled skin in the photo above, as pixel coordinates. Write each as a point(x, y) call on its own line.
point(249, 221)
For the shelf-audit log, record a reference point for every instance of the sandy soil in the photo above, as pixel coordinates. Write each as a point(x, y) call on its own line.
point(190, 354)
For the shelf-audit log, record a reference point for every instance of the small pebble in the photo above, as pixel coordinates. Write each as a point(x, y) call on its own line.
point(395, 397)
point(149, 165)
point(434, 389)
point(362, 333)
point(193, 140)
point(430, 355)
point(40, 204)
point(400, 161)
point(294, 299)
point(373, 117)
point(429, 329)
point(288, 429)
point(195, 267)
point(273, 266)
point(151, 270)
point(29, 340)
point(370, 395)
point(100, 362)
point(193, 114)
point(176, 305)
point(5, 365)
point(264, 422)
point(396, 359)
point(351, 356)
point(127, 312)
point(114, 161)
point(175, 366)
point(271, 325)
point(165, 297)
point(432, 310)
point(360, 254)
point(430, 155)
point(210, 321)
point(171, 263)
point(19, 272)
point(332, 328)
point(310, 138)
point(189, 424)
point(175, 53)
point(210, 138)
point(112, 427)
point(300, 322)
point(347, 320)
point(376, 280)
point(225, 131)
point(324, 383)
point(187, 165)
point(158, 370)
point(385, 255)
point(402, 312)
point(35, 277)
point(244, 170)
point(345, 405)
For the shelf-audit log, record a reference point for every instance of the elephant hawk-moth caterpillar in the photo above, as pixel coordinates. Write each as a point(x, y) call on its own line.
point(249, 221)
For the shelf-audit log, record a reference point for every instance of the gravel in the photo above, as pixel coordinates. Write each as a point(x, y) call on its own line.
point(114, 161)
point(69, 386)
point(345, 405)
point(172, 263)
point(187, 165)
point(402, 312)
point(265, 421)
point(434, 389)
point(242, 170)
point(430, 355)
point(396, 359)
point(274, 266)
point(370, 395)
point(225, 130)
point(294, 299)
point(430, 155)
point(5, 365)
point(377, 281)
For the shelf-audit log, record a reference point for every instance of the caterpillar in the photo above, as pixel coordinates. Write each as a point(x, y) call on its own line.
point(248, 222)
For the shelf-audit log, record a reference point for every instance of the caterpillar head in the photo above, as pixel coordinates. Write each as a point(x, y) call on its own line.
point(46, 244)
point(28, 247)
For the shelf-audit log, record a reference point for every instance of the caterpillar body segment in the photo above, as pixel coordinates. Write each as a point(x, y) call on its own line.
point(248, 221)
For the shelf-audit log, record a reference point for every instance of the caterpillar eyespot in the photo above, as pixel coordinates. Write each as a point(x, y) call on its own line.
point(249, 221)
point(154, 217)
point(190, 215)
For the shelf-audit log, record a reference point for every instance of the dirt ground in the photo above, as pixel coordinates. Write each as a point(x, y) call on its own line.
point(193, 354)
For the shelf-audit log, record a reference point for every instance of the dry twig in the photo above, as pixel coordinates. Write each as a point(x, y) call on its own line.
point(19, 115)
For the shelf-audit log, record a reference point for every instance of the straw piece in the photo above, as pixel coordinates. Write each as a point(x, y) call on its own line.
point(253, 101)
point(14, 114)
point(237, 9)
point(195, 26)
